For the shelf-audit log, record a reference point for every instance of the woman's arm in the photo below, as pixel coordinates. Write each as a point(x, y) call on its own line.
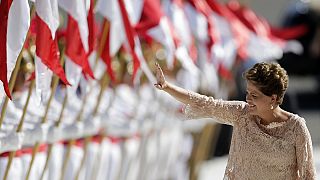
point(305, 161)
point(201, 106)
point(178, 93)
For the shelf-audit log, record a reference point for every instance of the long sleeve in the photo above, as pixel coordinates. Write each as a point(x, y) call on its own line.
point(305, 161)
point(226, 112)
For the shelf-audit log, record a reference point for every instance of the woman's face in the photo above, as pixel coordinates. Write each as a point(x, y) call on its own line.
point(258, 102)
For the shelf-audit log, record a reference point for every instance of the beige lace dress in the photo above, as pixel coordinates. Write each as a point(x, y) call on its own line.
point(278, 151)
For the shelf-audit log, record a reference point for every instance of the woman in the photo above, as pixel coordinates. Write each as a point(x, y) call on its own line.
point(267, 142)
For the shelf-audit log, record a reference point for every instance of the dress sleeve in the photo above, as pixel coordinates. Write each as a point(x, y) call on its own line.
point(305, 161)
point(226, 112)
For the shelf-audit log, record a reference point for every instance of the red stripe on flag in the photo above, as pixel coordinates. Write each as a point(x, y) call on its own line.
point(91, 28)
point(130, 36)
point(47, 49)
point(241, 33)
point(74, 47)
point(105, 55)
point(202, 7)
point(290, 32)
point(150, 16)
point(4, 12)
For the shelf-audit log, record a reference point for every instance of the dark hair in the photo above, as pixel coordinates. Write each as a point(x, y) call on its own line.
point(270, 78)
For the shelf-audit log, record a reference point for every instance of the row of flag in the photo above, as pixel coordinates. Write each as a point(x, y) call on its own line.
point(190, 31)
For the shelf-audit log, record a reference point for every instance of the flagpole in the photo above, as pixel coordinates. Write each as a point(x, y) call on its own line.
point(57, 124)
point(11, 85)
point(104, 83)
point(5, 104)
point(100, 49)
point(79, 116)
point(55, 82)
point(19, 129)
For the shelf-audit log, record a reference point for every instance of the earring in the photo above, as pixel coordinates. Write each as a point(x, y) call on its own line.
point(271, 106)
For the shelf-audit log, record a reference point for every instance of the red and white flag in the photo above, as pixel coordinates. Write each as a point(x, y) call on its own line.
point(47, 59)
point(123, 15)
point(155, 24)
point(77, 46)
point(185, 49)
point(261, 27)
point(15, 22)
point(116, 35)
point(134, 46)
point(240, 32)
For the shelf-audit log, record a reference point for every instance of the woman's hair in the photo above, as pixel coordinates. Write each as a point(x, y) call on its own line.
point(270, 78)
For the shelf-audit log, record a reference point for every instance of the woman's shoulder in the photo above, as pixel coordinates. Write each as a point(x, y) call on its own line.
point(300, 126)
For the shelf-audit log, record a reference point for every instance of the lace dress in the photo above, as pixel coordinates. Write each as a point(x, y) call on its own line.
point(277, 151)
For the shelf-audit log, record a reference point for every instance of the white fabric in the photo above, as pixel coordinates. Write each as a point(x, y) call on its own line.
point(186, 61)
point(74, 162)
point(54, 134)
point(38, 165)
point(111, 11)
point(37, 134)
point(25, 159)
point(262, 49)
point(34, 109)
point(187, 80)
point(11, 142)
point(92, 126)
point(18, 25)
point(131, 148)
point(162, 34)
point(143, 64)
point(73, 74)
point(109, 167)
point(13, 113)
point(179, 21)
point(91, 159)
point(15, 171)
point(55, 162)
point(2, 95)
point(43, 81)
point(225, 50)
point(100, 67)
point(198, 23)
point(73, 131)
point(77, 9)
point(48, 11)
point(209, 78)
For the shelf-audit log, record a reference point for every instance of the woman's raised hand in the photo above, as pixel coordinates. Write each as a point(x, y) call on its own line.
point(161, 81)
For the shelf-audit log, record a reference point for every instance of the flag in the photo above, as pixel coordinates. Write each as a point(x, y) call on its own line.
point(91, 28)
point(272, 43)
point(123, 15)
point(116, 33)
point(106, 56)
point(47, 53)
point(77, 46)
point(240, 32)
point(203, 8)
point(15, 22)
point(155, 24)
point(184, 41)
